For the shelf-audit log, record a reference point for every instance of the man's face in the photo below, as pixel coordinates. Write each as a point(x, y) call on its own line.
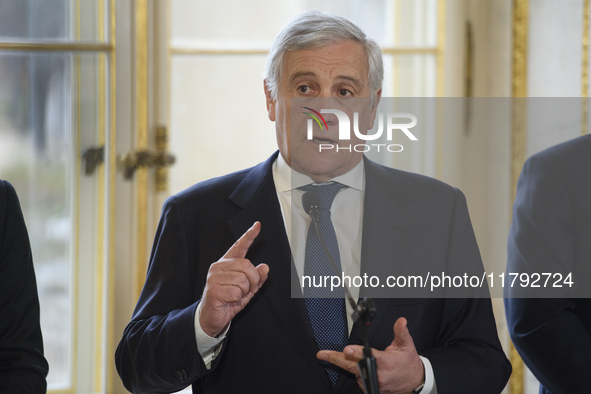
point(327, 76)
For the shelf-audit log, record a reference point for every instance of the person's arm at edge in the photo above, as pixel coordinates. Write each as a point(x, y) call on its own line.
point(21, 342)
point(541, 240)
point(158, 350)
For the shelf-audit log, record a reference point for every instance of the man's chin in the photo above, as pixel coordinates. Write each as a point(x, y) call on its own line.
point(325, 165)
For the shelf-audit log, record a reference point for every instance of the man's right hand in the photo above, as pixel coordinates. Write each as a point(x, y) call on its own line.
point(232, 281)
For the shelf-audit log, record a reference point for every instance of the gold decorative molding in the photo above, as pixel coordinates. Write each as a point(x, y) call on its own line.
point(141, 61)
point(169, 52)
point(519, 90)
point(585, 70)
point(519, 59)
point(100, 251)
point(440, 50)
point(518, 140)
point(410, 50)
point(111, 159)
point(516, 380)
point(76, 269)
point(440, 87)
point(69, 390)
point(585, 51)
point(584, 115)
point(397, 30)
point(52, 47)
point(217, 51)
point(469, 77)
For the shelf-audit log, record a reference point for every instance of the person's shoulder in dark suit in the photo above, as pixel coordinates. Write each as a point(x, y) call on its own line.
point(417, 187)
point(567, 153)
point(565, 165)
point(23, 367)
point(550, 234)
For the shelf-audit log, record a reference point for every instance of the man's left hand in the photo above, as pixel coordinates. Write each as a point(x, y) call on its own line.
point(400, 369)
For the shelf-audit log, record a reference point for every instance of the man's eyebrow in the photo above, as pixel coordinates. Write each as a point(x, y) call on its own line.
point(302, 74)
point(355, 81)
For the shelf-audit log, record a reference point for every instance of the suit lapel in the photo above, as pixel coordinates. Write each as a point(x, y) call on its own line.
point(386, 236)
point(387, 228)
point(257, 197)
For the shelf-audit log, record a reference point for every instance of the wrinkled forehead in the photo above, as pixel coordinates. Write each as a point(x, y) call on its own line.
point(343, 59)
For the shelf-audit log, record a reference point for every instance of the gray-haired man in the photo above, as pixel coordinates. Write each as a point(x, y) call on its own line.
point(216, 310)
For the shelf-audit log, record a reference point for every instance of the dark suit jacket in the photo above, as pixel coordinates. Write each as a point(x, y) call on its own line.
point(270, 347)
point(551, 232)
point(22, 365)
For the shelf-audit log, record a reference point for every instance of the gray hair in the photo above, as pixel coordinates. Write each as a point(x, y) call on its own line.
point(314, 29)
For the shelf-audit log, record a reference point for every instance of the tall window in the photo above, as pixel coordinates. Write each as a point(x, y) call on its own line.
point(53, 105)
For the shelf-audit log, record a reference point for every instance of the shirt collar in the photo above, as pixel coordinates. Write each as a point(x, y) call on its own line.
point(287, 179)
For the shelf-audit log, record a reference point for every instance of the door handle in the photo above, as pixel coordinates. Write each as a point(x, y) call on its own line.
point(158, 159)
point(131, 161)
point(92, 158)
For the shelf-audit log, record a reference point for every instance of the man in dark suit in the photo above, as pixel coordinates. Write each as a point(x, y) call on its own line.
point(551, 233)
point(217, 309)
point(22, 366)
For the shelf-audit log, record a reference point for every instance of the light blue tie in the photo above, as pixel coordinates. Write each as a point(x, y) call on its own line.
point(327, 315)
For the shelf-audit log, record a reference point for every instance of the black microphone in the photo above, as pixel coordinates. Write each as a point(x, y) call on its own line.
point(311, 203)
point(362, 312)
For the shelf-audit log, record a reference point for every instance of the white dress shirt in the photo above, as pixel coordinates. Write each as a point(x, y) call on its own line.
point(346, 215)
point(347, 218)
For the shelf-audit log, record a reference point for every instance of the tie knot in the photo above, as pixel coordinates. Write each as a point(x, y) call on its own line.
point(326, 192)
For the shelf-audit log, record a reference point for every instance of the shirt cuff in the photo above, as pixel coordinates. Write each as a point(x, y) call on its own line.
point(430, 387)
point(207, 346)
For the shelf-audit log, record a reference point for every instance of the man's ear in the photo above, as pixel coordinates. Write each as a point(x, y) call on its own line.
point(269, 101)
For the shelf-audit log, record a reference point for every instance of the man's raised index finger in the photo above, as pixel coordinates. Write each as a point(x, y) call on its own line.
point(240, 247)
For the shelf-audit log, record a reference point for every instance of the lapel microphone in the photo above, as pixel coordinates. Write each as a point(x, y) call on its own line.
point(311, 203)
point(363, 312)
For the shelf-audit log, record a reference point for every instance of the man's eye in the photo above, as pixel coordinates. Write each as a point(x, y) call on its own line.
point(304, 89)
point(344, 92)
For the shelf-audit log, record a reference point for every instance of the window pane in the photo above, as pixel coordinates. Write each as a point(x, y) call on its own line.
point(35, 116)
point(217, 103)
point(374, 17)
point(50, 20)
point(198, 23)
point(249, 23)
point(415, 23)
point(414, 75)
point(38, 155)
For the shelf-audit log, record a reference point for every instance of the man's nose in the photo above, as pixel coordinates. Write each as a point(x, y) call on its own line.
point(326, 101)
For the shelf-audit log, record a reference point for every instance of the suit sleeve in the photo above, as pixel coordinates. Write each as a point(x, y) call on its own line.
point(549, 336)
point(469, 357)
point(158, 351)
point(23, 367)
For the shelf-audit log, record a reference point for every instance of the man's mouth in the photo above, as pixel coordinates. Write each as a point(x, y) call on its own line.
point(322, 140)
